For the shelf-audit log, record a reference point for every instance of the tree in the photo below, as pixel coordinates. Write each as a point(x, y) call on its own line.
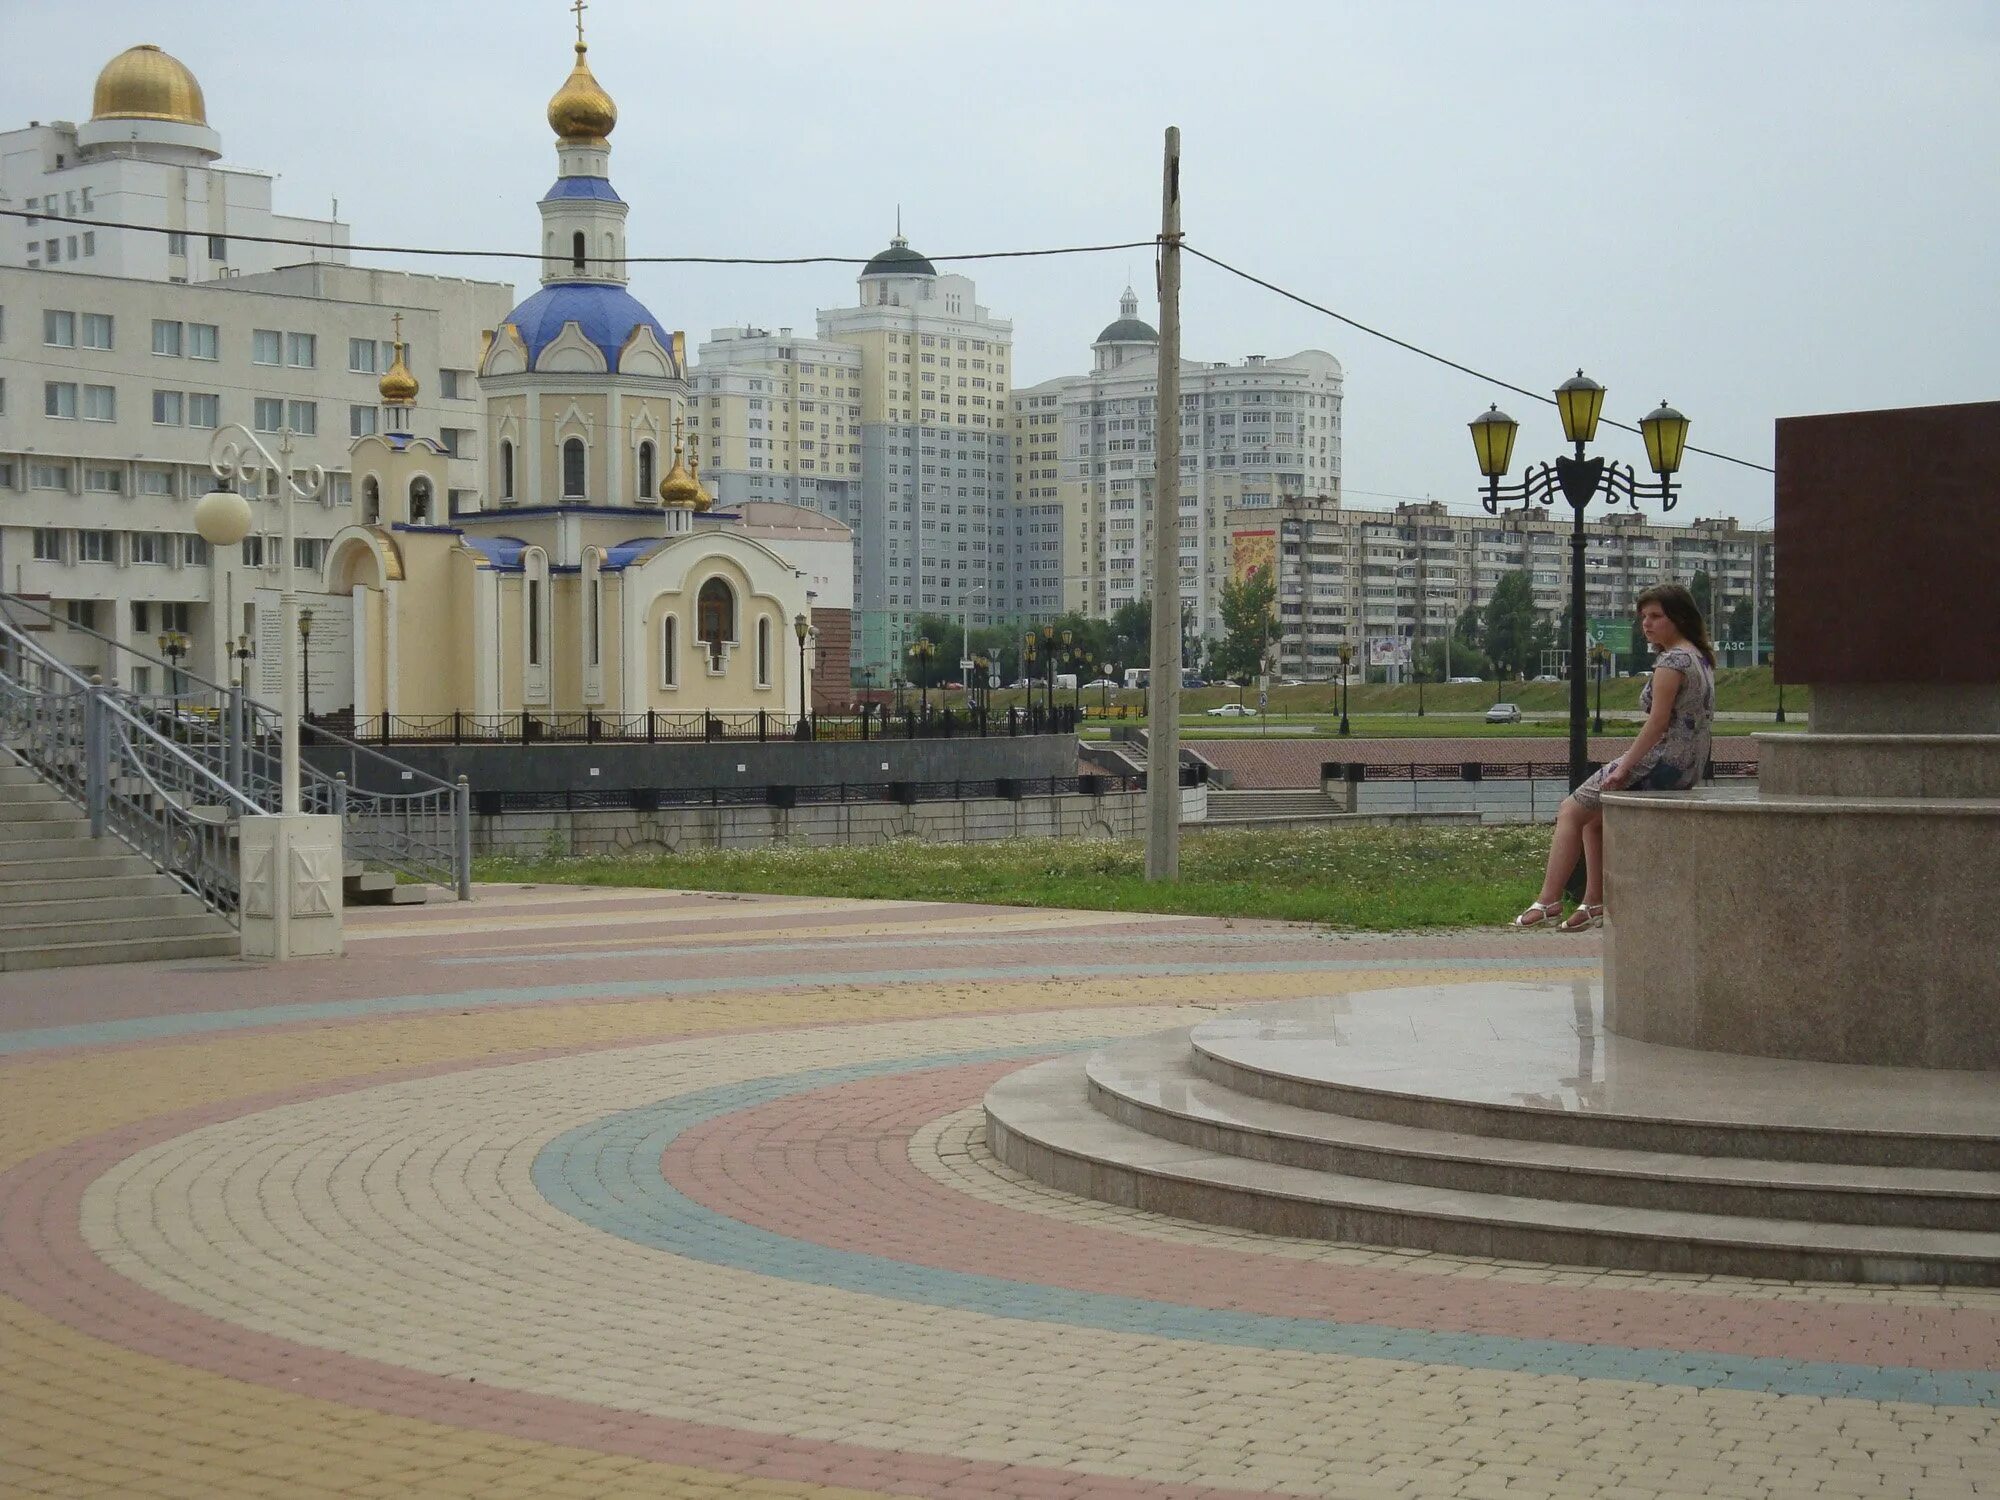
point(1470, 631)
point(1739, 627)
point(1510, 624)
point(1247, 627)
point(1132, 633)
point(1703, 589)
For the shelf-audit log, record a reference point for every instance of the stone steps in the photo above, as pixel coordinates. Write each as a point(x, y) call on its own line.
point(1040, 1122)
point(1225, 806)
point(1152, 1085)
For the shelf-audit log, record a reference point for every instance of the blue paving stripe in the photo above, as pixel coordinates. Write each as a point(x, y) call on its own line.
point(607, 1174)
point(209, 1023)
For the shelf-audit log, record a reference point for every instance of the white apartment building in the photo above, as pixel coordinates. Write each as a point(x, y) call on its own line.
point(120, 360)
point(147, 156)
point(1250, 432)
point(1381, 580)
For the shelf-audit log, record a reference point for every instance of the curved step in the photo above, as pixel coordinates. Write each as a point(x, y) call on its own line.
point(1150, 1084)
point(140, 950)
point(1040, 1122)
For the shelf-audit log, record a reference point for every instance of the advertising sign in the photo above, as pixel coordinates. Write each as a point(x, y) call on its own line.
point(1388, 651)
point(1251, 550)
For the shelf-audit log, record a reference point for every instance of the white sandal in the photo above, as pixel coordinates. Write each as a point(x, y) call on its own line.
point(1540, 913)
point(1584, 918)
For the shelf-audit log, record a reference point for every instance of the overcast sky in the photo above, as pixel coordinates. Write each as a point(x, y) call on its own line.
point(1750, 209)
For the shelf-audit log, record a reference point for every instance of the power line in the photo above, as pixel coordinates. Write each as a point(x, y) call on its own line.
point(635, 260)
point(1450, 364)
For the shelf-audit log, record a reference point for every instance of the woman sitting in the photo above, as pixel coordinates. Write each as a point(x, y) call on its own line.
point(1668, 755)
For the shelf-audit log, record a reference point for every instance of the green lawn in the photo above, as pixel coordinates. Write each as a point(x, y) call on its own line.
point(1355, 877)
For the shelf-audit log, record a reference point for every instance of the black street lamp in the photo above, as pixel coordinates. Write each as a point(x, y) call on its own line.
point(1578, 480)
point(1772, 661)
point(980, 688)
point(922, 653)
point(1029, 672)
point(1104, 691)
point(174, 647)
point(306, 664)
point(1346, 656)
point(1600, 660)
point(802, 628)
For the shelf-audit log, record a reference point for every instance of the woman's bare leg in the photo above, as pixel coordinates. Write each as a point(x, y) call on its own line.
point(1593, 857)
point(1564, 848)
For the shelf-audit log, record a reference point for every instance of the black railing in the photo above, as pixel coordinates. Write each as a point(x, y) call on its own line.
point(649, 728)
point(1523, 770)
point(489, 802)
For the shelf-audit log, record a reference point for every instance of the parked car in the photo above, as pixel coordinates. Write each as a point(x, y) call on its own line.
point(1232, 711)
point(1291, 682)
point(1504, 713)
point(1548, 677)
point(1101, 682)
point(1465, 679)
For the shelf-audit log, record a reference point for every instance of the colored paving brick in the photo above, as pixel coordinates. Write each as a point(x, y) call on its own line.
point(581, 1193)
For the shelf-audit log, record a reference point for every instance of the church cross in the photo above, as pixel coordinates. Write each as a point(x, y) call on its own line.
point(578, 7)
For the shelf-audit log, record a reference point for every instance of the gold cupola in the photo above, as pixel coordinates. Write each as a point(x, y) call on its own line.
point(678, 489)
point(581, 113)
point(703, 500)
point(144, 83)
point(398, 386)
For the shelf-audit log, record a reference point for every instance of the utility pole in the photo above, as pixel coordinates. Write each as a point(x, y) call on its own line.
point(1163, 748)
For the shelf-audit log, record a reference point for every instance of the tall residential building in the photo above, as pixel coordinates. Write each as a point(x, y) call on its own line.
point(1377, 580)
point(112, 388)
point(1249, 432)
point(147, 156)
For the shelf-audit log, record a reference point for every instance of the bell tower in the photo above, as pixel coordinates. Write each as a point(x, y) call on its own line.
point(583, 218)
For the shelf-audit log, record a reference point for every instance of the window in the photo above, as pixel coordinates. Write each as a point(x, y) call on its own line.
point(81, 614)
point(167, 407)
point(456, 441)
point(218, 247)
point(204, 341)
point(715, 609)
point(99, 480)
point(266, 346)
point(93, 546)
point(100, 403)
point(204, 409)
point(763, 651)
point(506, 469)
point(59, 398)
point(301, 350)
point(146, 546)
point(58, 328)
point(361, 356)
point(454, 385)
point(420, 501)
point(48, 476)
point(267, 414)
point(534, 622)
point(670, 671)
point(572, 469)
point(166, 337)
point(253, 552)
point(97, 330)
point(304, 417)
point(308, 552)
point(360, 421)
point(194, 551)
point(48, 544)
point(576, 251)
point(371, 500)
point(645, 471)
point(177, 242)
point(156, 482)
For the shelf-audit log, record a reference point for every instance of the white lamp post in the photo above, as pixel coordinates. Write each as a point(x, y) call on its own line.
point(291, 871)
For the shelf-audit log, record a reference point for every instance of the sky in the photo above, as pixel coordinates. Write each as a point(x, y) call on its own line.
point(1749, 208)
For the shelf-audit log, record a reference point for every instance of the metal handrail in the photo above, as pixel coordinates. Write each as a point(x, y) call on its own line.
point(136, 785)
point(424, 831)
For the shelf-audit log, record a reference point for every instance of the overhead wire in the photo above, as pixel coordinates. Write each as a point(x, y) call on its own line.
point(854, 260)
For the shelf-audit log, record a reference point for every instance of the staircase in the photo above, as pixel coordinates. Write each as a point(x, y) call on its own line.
point(1284, 802)
point(67, 899)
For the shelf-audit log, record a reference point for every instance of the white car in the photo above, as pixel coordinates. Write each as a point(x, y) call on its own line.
point(1102, 682)
point(1548, 677)
point(1465, 679)
point(1504, 713)
point(1232, 711)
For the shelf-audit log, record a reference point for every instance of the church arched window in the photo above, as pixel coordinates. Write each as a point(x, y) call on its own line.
point(670, 646)
point(420, 501)
point(573, 469)
point(506, 469)
point(576, 243)
point(646, 476)
point(763, 651)
point(371, 500)
point(715, 610)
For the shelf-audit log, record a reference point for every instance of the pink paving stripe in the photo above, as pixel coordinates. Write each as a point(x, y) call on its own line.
point(46, 1266)
point(833, 1168)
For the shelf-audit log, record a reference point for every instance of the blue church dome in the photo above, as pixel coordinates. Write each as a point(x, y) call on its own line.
point(607, 315)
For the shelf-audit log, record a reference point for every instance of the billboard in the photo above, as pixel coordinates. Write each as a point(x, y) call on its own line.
point(1617, 634)
point(1388, 651)
point(1251, 550)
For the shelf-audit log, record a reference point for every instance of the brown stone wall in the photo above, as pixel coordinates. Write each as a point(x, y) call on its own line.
point(832, 682)
point(1889, 545)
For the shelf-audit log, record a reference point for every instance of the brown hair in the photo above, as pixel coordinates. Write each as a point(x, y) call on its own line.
point(1678, 605)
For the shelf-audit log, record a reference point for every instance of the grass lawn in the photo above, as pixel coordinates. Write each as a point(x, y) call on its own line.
point(1375, 879)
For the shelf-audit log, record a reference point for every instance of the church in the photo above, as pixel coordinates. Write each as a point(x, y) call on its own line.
point(582, 583)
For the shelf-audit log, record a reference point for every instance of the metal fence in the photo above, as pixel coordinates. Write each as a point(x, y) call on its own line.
point(489, 802)
point(136, 784)
point(651, 727)
point(423, 831)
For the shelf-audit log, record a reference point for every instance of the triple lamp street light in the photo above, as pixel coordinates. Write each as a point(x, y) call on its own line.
point(1600, 662)
point(174, 647)
point(1580, 401)
point(802, 628)
point(1346, 658)
point(306, 661)
point(923, 652)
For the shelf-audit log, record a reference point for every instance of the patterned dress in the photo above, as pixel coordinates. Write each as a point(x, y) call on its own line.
point(1674, 764)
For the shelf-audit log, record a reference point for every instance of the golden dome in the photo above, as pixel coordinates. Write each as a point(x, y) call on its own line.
point(398, 386)
point(703, 500)
point(144, 83)
point(678, 490)
point(581, 113)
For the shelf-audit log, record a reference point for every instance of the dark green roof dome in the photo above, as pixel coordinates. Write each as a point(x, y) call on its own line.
point(1129, 331)
point(899, 260)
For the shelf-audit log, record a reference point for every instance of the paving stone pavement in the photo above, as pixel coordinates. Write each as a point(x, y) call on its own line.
point(581, 1193)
